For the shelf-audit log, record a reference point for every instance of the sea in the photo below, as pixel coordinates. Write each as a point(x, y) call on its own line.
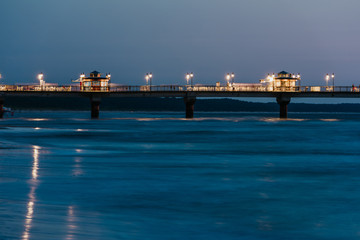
point(155, 176)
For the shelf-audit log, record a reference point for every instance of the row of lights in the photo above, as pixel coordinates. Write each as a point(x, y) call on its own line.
point(190, 76)
point(148, 77)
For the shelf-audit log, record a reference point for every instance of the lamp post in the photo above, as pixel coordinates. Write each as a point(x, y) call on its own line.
point(268, 80)
point(327, 77)
point(189, 78)
point(148, 78)
point(228, 77)
point(108, 76)
point(41, 80)
point(82, 76)
point(299, 79)
point(271, 79)
point(232, 77)
point(333, 78)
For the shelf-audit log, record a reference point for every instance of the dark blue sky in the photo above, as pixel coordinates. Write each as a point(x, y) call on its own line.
point(209, 37)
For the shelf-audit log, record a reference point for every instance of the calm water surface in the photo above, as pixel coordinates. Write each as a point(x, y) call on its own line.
point(157, 176)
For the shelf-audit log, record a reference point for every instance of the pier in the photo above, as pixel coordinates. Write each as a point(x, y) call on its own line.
point(283, 87)
point(188, 93)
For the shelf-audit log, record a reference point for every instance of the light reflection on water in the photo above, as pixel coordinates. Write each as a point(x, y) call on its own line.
point(32, 197)
point(136, 177)
point(35, 167)
point(37, 119)
point(71, 224)
point(77, 171)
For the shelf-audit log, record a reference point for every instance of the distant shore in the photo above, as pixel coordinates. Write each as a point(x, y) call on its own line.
point(169, 104)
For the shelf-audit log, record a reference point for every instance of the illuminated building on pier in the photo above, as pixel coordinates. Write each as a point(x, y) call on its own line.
point(284, 81)
point(95, 82)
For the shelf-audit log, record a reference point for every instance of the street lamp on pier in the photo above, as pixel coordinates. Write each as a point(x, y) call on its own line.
point(189, 77)
point(299, 78)
point(148, 78)
point(327, 78)
point(81, 80)
point(228, 78)
point(232, 77)
point(108, 76)
point(333, 79)
point(271, 79)
point(41, 80)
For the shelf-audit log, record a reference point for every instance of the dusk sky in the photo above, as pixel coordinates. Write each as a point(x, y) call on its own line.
point(169, 38)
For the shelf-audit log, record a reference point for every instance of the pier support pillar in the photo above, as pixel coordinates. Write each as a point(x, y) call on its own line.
point(95, 107)
point(283, 102)
point(189, 106)
point(1, 108)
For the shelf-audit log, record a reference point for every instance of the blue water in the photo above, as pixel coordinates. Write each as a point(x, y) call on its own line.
point(158, 176)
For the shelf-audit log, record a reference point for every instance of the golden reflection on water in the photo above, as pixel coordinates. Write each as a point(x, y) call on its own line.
point(35, 167)
point(29, 214)
point(37, 119)
point(271, 119)
point(70, 223)
point(32, 197)
point(82, 130)
point(77, 171)
point(71, 218)
point(330, 120)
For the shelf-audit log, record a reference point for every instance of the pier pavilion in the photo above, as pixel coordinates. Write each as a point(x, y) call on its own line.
point(94, 82)
point(284, 81)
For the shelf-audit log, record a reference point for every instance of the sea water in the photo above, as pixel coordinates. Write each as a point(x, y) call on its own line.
point(159, 176)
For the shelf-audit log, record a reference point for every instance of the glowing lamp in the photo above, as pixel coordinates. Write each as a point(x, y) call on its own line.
point(327, 77)
point(40, 76)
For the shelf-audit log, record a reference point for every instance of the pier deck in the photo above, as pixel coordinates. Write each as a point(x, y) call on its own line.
point(189, 93)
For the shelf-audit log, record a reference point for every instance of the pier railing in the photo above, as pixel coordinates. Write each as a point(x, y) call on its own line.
point(182, 88)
